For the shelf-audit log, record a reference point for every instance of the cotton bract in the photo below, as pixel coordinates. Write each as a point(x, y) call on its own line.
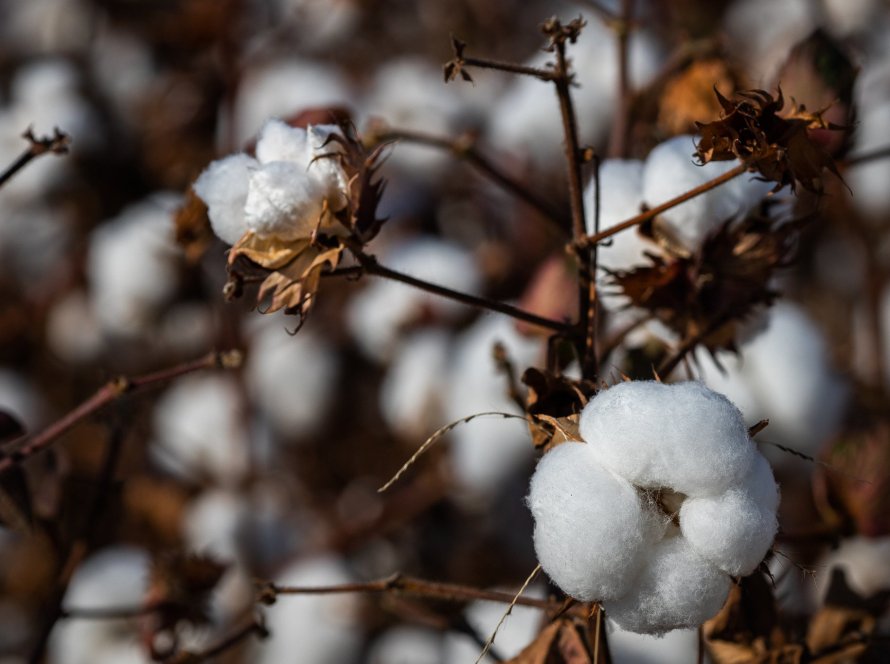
point(607, 510)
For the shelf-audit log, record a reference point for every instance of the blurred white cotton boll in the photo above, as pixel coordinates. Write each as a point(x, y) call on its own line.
point(410, 397)
point(677, 647)
point(212, 523)
point(34, 240)
point(865, 563)
point(198, 429)
point(320, 23)
point(19, 398)
point(488, 449)
point(868, 180)
point(72, 330)
point(377, 314)
point(621, 182)
point(132, 265)
point(285, 87)
point(671, 170)
point(109, 578)
point(322, 629)
point(406, 645)
point(526, 117)
point(291, 378)
point(45, 26)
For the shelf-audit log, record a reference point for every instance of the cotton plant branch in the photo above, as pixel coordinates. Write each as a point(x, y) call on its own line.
point(464, 147)
point(29, 445)
point(621, 26)
point(57, 144)
point(256, 627)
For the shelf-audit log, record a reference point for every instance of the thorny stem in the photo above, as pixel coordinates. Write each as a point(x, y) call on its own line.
point(371, 266)
point(657, 210)
point(464, 148)
point(406, 585)
point(114, 389)
point(621, 118)
point(57, 144)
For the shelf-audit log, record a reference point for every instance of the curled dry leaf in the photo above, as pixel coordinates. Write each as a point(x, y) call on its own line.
point(561, 642)
point(553, 403)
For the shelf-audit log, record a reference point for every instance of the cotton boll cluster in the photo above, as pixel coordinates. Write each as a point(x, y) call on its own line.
point(783, 374)
point(600, 532)
point(321, 628)
point(384, 308)
point(285, 192)
point(113, 577)
point(199, 432)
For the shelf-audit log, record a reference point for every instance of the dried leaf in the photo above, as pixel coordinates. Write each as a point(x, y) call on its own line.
point(192, 227)
point(271, 253)
point(561, 642)
point(689, 96)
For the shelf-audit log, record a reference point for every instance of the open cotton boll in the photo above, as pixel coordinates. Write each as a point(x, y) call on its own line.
point(683, 436)
point(735, 529)
point(223, 188)
point(112, 577)
point(671, 170)
point(592, 531)
point(679, 646)
point(281, 202)
point(677, 589)
point(487, 450)
point(291, 378)
point(377, 313)
point(198, 429)
point(405, 644)
point(410, 397)
point(322, 629)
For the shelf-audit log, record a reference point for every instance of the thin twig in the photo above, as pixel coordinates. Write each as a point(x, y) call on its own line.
point(58, 144)
point(27, 446)
point(406, 585)
point(510, 67)
point(490, 642)
point(621, 118)
point(255, 627)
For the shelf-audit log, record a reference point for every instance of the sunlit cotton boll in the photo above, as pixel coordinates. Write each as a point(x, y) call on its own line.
point(592, 530)
point(735, 529)
point(132, 265)
point(322, 629)
point(677, 589)
point(377, 314)
point(110, 578)
point(671, 170)
point(683, 436)
point(291, 378)
point(198, 429)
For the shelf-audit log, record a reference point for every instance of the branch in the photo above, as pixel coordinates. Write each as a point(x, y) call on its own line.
point(56, 144)
point(114, 389)
point(255, 627)
point(621, 119)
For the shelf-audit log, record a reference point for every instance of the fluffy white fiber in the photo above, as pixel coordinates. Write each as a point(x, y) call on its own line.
point(591, 528)
point(654, 452)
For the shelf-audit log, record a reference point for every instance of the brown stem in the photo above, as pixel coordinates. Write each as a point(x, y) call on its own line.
point(688, 345)
point(621, 118)
point(870, 155)
point(672, 203)
point(511, 67)
point(406, 585)
point(27, 446)
point(371, 266)
point(464, 148)
point(255, 627)
point(57, 144)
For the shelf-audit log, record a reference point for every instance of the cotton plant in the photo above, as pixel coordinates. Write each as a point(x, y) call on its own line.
point(661, 504)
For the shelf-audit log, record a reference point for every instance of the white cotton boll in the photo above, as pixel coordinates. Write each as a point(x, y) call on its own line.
point(377, 313)
point(46, 26)
point(677, 589)
point(19, 398)
point(591, 529)
point(684, 436)
point(72, 330)
point(406, 645)
point(679, 646)
point(735, 529)
point(198, 429)
point(865, 563)
point(283, 88)
point(212, 523)
point(410, 397)
point(846, 17)
point(322, 629)
point(282, 202)
point(109, 578)
point(131, 265)
point(223, 188)
point(487, 450)
point(868, 180)
point(278, 141)
point(291, 378)
point(671, 170)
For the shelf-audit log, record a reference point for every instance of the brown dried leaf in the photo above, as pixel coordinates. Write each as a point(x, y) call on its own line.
point(192, 227)
point(689, 96)
point(561, 642)
point(294, 286)
point(271, 253)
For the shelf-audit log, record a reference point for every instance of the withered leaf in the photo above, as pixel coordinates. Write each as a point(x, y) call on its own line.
point(192, 227)
point(271, 253)
point(561, 642)
point(293, 287)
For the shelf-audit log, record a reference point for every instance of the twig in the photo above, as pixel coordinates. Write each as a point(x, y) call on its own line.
point(621, 118)
point(672, 203)
point(255, 627)
point(490, 642)
point(464, 148)
point(58, 143)
point(27, 446)
point(406, 585)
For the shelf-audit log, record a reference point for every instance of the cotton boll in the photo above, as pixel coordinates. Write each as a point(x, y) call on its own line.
point(377, 314)
point(677, 589)
point(198, 429)
point(677, 647)
point(591, 528)
point(735, 529)
point(410, 397)
point(291, 378)
point(320, 23)
point(868, 180)
point(682, 436)
point(223, 187)
point(212, 522)
point(865, 563)
point(72, 330)
point(282, 202)
point(406, 645)
point(113, 577)
point(671, 170)
point(322, 629)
